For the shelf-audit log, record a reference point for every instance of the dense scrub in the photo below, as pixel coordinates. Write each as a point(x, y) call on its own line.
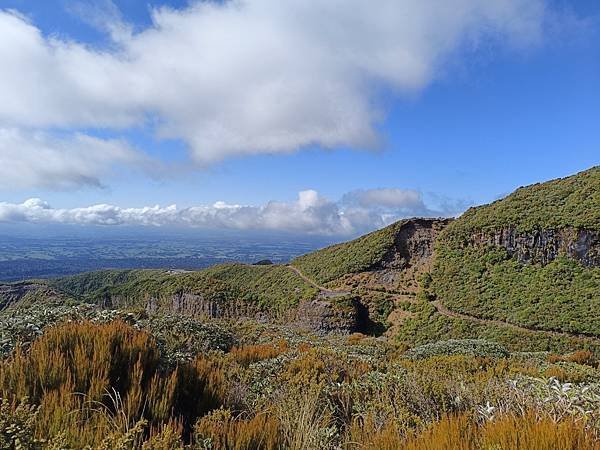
point(426, 325)
point(566, 202)
point(273, 288)
point(355, 256)
point(93, 381)
point(76, 374)
point(486, 281)
point(106, 385)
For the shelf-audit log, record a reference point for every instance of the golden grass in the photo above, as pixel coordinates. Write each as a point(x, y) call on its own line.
point(93, 380)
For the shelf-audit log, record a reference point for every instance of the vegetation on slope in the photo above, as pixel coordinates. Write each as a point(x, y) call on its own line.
point(355, 256)
point(273, 288)
point(486, 282)
point(427, 326)
point(566, 202)
point(104, 385)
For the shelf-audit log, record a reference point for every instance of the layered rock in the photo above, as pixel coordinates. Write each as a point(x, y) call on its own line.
point(545, 246)
point(326, 317)
point(409, 256)
point(413, 245)
point(321, 315)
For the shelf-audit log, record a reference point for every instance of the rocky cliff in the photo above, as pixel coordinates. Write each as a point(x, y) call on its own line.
point(321, 315)
point(25, 293)
point(327, 317)
point(410, 254)
point(545, 246)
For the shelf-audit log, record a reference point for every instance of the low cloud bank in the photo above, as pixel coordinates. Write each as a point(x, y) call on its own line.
point(310, 213)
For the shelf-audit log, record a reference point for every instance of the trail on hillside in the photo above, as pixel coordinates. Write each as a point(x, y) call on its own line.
point(441, 309)
point(323, 291)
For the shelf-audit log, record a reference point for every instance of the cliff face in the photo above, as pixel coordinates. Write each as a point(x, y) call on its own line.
point(20, 293)
point(321, 315)
point(410, 255)
point(197, 305)
point(545, 246)
point(413, 245)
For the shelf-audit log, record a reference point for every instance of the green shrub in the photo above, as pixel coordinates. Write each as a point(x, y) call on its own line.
point(469, 347)
point(486, 281)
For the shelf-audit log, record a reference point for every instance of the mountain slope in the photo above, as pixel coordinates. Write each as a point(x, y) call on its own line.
point(531, 259)
point(395, 246)
point(523, 271)
point(260, 287)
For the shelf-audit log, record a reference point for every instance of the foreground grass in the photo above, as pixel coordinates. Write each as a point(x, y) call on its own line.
point(111, 386)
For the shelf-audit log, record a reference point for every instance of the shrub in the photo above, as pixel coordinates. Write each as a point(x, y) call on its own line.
point(98, 380)
point(249, 354)
point(471, 347)
point(220, 430)
point(17, 425)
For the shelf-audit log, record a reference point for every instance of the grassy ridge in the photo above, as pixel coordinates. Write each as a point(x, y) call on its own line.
point(268, 287)
point(566, 202)
point(355, 256)
point(486, 282)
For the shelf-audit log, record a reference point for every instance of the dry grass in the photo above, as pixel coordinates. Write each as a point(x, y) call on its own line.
point(92, 381)
point(461, 432)
point(104, 386)
point(249, 354)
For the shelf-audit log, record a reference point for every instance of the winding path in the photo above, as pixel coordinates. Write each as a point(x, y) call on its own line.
point(323, 291)
point(441, 309)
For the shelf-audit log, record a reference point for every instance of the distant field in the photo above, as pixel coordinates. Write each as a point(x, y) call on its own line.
point(24, 258)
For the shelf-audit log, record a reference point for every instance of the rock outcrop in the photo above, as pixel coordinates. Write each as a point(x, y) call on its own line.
point(18, 293)
point(321, 315)
point(411, 255)
point(413, 245)
point(325, 317)
point(545, 246)
point(197, 305)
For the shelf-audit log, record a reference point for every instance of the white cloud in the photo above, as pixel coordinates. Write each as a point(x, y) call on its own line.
point(246, 76)
point(387, 198)
point(310, 213)
point(40, 159)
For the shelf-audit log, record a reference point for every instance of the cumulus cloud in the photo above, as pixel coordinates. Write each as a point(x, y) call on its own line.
point(310, 213)
point(39, 159)
point(247, 76)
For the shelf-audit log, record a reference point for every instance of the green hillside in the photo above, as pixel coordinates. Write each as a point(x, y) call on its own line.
point(355, 256)
point(84, 365)
point(267, 287)
point(485, 281)
point(566, 202)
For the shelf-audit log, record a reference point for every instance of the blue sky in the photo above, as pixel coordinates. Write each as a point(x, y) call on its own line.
point(492, 112)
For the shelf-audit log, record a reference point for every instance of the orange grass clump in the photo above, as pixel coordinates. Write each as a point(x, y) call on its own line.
point(461, 432)
point(92, 380)
point(249, 354)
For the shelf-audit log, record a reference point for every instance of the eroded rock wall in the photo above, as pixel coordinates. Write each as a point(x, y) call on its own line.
point(544, 246)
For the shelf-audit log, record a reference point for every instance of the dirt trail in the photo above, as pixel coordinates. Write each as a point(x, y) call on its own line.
point(441, 309)
point(447, 312)
point(323, 291)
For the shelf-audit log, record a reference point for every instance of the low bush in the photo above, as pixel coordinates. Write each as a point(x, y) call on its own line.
point(470, 347)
